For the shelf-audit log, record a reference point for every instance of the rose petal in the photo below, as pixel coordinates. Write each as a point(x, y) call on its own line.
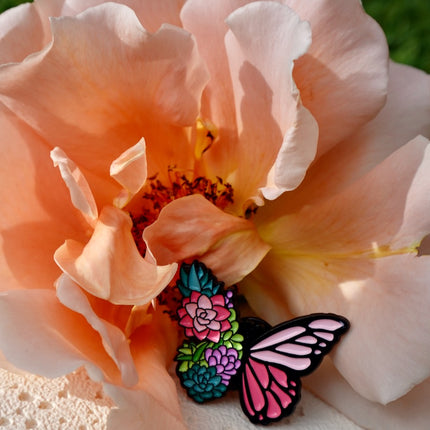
point(151, 14)
point(80, 192)
point(18, 22)
point(270, 114)
point(410, 411)
point(193, 227)
point(339, 256)
point(91, 110)
point(139, 409)
point(379, 214)
point(206, 21)
point(405, 115)
point(296, 153)
point(343, 78)
point(21, 20)
point(64, 340)
point(36, 212)
point(396, 305)
point(113, 339)
point(130, 170)
point(154, 402)
point(109, 266)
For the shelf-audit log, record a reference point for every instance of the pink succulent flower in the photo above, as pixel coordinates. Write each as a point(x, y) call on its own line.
point(322, 204)
point(204, 317)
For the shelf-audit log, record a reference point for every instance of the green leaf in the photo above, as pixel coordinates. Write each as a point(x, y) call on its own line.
point(187, 357)
point(232, 316)
point(237, 338)
point(199, 351)
point(184, 366)
point(227, 335)
point(234, 326)
point(237, 346)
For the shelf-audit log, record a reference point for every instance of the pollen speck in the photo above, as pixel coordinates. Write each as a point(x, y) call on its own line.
point(158, 195)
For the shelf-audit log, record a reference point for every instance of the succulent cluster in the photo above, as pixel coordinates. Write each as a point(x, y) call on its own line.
point(213, 353)
point(203, 383)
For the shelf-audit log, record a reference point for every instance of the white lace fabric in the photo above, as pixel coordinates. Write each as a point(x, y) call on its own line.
point(74, 402)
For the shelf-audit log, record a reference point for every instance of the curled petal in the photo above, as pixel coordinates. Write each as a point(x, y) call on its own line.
point(36, 212)
point(18, 22)
point(151, 14)
point(405, 115)
point(130, 170)
point(193, 227)
point(343, 77)
point(264, 40)
point(93, 112)
point(80, 192)
point(15, 25)
point(109, 266)
point(64, 341)
point(154, 402)
point(297, 152)
point(113, 339)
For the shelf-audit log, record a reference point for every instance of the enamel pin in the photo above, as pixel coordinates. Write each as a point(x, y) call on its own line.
point(264, 363)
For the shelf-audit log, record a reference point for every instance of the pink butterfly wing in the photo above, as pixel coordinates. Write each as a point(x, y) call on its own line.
point(270, 386)
point(267, 392)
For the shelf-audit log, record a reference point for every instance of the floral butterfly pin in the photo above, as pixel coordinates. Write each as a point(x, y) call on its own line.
point(264, 363)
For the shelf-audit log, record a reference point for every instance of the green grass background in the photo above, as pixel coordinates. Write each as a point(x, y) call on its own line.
point(405, 22)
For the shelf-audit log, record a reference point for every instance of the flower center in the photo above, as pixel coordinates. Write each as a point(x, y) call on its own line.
point(181, 183)
point(158, 195)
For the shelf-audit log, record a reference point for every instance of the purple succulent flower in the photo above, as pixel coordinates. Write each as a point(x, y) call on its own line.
point(225, 361)
point(229, 299)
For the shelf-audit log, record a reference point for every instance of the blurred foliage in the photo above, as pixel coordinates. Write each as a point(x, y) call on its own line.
point(7, 4)
point(407, 27)
point(406, 24)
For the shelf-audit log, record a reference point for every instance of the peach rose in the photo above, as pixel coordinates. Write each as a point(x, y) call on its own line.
point(273, 141)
